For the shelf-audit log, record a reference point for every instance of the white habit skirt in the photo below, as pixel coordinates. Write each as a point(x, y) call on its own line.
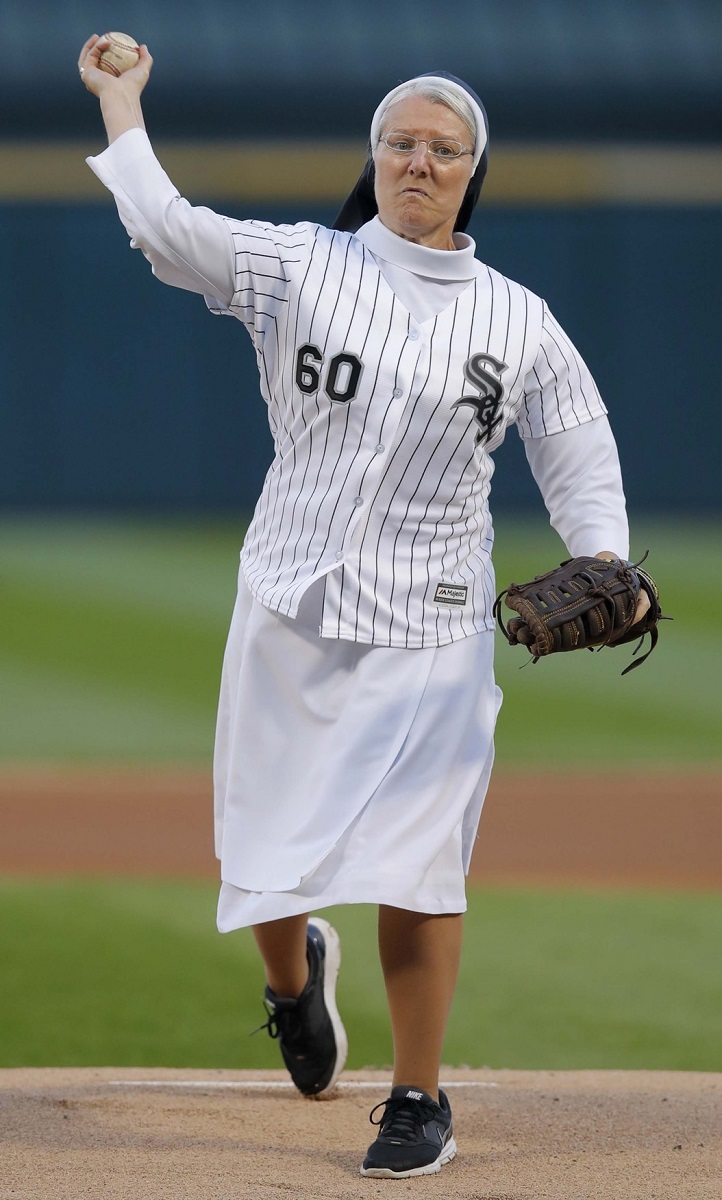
point(346, 773)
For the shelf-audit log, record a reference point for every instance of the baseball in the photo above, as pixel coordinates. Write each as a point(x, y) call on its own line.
point(120, 55)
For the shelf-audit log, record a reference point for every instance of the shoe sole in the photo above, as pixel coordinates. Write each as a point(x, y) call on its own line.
point(449, 1151)
point(332, 963)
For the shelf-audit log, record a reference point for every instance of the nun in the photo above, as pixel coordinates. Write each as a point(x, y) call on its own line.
point(357, 707)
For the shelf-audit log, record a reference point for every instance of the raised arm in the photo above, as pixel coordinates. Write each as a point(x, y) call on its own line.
point(119, 97)
point(189, 247)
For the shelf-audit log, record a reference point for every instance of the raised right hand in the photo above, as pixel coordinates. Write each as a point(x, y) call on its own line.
point(98, 81)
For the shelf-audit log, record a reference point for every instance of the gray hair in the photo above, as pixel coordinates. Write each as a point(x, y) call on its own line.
point(438, 92)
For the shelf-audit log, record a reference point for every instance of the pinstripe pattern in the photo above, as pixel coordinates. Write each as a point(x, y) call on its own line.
point(386, 494)
point(560, 392)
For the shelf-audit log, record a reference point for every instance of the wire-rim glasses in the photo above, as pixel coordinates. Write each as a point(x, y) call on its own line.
point(441, 148)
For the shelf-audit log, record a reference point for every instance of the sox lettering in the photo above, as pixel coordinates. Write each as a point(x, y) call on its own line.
point(491, 393)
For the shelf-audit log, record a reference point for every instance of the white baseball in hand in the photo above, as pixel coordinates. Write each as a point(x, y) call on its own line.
point(120, 55)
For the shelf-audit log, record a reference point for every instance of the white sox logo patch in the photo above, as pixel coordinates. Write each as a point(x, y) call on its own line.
point(451, 593)
point(491, 393)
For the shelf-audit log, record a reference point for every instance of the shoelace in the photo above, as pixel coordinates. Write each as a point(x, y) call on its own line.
point(280, 1024)
point(274, 1024)
point(271, 1027)
point(401, 1117)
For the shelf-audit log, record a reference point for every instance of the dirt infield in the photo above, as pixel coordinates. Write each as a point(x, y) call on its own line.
point(108, 1135)
point(119, 1134)
point(623, 828)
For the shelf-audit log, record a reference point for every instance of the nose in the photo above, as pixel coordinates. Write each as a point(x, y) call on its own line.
point(419, 160)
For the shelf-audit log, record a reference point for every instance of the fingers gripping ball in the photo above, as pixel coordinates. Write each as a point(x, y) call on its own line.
point(585, 603)
point(120, 55)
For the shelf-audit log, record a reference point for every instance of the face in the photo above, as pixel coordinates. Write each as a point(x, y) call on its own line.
point(419, 195)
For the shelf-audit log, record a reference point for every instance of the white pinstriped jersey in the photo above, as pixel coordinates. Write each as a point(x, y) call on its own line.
point(381, 476)
point(383, 422)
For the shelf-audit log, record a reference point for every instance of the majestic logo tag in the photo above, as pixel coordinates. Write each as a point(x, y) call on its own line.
point(491, 393)
point(451, 593)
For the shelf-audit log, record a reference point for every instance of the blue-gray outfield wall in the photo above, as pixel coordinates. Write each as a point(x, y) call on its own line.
point(629, 69)
point(118, 392)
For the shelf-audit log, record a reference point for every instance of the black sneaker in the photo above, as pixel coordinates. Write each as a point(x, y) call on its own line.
point(415, 1136)
point(309, 1030)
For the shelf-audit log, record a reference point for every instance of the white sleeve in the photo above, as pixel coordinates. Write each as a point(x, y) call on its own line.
point(188, 247)
point(559, 391)
point(579, 476)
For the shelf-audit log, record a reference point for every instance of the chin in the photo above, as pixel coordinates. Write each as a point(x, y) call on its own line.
point(413, 217)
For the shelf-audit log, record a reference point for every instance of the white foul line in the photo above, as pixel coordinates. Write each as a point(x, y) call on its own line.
point(267, 1084)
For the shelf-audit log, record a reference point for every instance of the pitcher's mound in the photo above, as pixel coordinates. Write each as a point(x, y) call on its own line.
point(229, 1135)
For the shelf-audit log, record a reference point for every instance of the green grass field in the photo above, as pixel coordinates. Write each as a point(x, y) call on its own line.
point(111, 641)
point(121, 973)
point(113, 633)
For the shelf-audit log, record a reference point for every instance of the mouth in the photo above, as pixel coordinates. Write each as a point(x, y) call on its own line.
point(415, 192)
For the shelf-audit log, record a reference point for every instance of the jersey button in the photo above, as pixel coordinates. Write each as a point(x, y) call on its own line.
point(359, 501)
point(398, 392)
point(338, 555)
point(380, 449)
point(413, 335)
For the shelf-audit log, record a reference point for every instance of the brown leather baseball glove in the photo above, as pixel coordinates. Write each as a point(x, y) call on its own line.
point(583, 604)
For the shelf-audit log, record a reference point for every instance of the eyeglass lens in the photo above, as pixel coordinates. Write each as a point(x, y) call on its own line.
point(440, 147)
